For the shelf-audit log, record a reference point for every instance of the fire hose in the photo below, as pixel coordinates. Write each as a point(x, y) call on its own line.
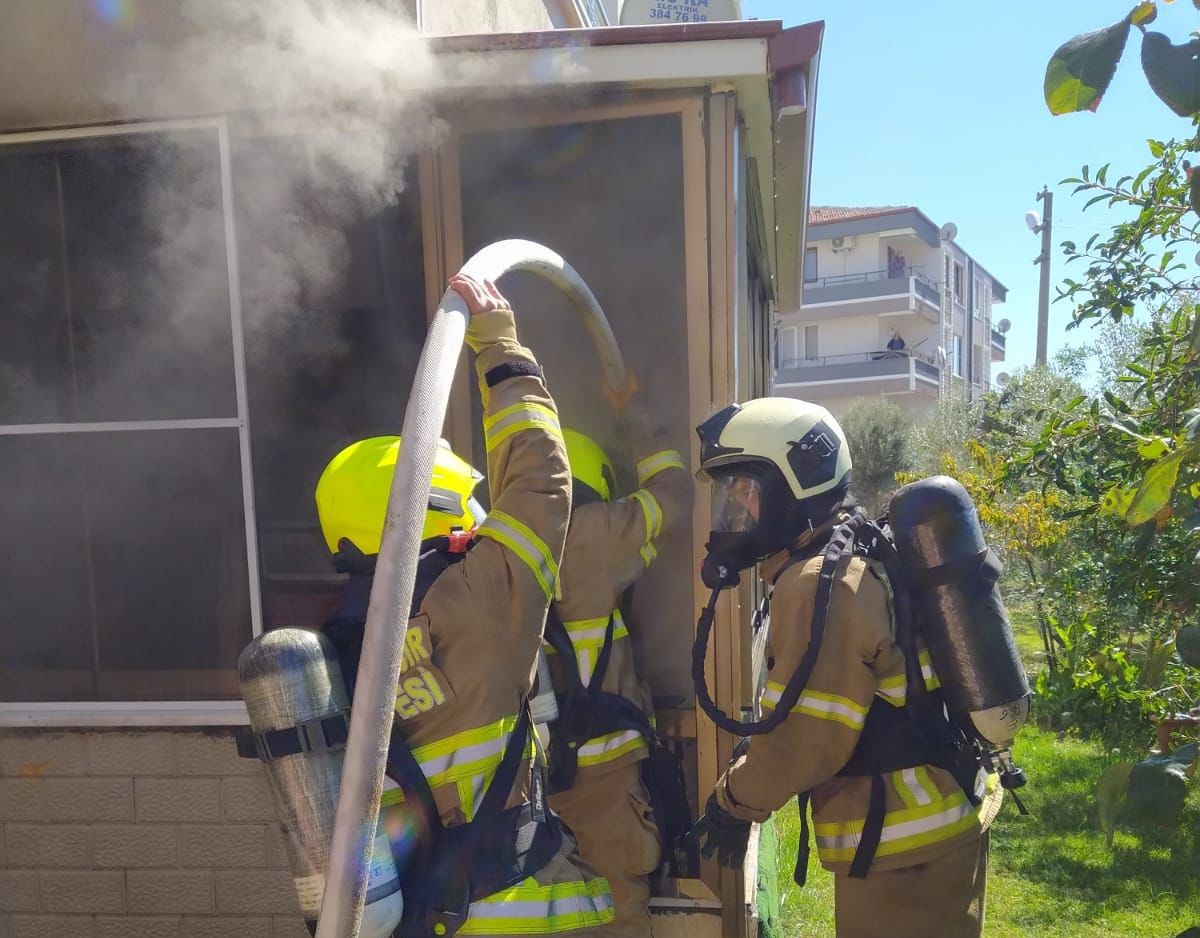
point(395, 570)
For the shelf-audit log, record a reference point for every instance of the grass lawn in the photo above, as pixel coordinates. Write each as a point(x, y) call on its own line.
point(1051, 873)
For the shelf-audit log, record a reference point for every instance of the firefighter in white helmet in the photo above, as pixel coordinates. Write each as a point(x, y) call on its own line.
point(905, 838)
point(612, 781)
point(479, 852)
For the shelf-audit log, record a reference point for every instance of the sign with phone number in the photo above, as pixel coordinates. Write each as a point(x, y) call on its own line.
point(635, 12)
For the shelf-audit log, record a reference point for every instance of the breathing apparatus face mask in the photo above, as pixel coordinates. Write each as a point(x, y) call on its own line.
point(743, 527)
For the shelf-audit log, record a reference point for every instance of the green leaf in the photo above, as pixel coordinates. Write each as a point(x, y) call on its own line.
point(1145, 12)
point(1173, 72)
point(1155, 490)
point(1110, 792)
point(1156, 148)
point(1081, 69)
point(1155, 665)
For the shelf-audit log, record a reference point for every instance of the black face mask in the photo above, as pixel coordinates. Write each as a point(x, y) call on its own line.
point(783, 521)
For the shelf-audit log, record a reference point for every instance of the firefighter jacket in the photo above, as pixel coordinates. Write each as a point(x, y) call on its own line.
point(471, 649)
point(608, 548)
point(927, 812)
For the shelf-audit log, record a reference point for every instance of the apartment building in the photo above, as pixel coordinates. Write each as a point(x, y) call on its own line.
point(891, 306)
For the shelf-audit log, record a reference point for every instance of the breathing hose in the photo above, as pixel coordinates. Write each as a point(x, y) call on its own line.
point(395, 570)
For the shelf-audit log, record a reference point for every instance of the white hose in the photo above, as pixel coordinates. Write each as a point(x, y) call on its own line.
point(396, 567)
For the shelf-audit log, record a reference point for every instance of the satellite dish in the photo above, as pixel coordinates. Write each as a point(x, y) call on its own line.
point(1003, 326)
point(1002, 379)
point(1033, 221)
point(949, 231)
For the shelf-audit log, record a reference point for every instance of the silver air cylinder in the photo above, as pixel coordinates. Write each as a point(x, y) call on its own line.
point(958, 608)
point(289, 678)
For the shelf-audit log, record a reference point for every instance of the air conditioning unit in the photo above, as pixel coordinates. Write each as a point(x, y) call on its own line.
point(843, 243)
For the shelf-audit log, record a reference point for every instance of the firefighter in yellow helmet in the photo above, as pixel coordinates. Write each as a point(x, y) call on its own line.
point(603, 739)
point(905, 838)
point(464, 807)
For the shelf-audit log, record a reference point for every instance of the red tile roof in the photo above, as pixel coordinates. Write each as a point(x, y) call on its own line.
point(823, 214)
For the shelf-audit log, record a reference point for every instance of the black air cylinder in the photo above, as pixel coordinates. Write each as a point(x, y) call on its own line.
point(958, 609)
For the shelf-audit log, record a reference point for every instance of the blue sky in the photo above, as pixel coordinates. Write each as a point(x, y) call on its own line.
point(939, 104)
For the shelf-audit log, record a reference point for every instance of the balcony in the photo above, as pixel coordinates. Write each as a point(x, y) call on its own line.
point(876, 291)
point(999, 345)
point(863, 372)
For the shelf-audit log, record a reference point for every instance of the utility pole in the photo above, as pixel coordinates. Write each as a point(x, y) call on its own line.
point(1045, 227)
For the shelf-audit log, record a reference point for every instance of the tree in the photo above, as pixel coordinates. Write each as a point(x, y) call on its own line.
point(879, 433)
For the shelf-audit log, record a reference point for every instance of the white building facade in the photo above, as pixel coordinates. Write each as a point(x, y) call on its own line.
point(891, 307)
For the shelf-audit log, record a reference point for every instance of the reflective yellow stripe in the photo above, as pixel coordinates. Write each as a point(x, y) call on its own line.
point(652, 514)
point(903, 830)
point(468, 760)
point(611, 747)
point(931, 679)
point(894, 690)
point(529, 548)
point(651, 466)
point(523, 415)
point(530, 908)
point(589, 633)
point(820, 705)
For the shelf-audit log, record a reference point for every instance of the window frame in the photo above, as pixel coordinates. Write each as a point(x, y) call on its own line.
point(816, 333)
point(162, 713)
point(956, 358)
point(815, 255)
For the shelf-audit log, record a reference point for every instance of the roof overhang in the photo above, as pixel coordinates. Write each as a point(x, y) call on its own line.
point(904, 220)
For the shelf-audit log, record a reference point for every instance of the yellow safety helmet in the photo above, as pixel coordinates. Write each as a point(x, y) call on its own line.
point(352, 493)
point(589, 464)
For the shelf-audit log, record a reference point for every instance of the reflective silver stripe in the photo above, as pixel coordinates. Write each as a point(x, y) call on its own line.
point(651, 466)
point(439, 765)
point(528, 547)
point(818, 704)
point(915, 788)
point(901, 830)
point(535, 909)
point(651, 511)
point(524, 415)
point(603, 744)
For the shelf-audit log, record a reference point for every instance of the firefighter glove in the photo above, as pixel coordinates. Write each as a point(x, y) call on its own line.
point(721, 833)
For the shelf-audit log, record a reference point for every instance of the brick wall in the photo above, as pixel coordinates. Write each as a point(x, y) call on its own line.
point(139, 835)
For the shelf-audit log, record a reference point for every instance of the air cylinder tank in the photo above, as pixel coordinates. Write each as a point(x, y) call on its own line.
point(291, 678)
point(958, 609)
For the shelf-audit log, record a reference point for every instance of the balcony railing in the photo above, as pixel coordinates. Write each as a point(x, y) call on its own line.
point(871, 284)
point(998, 339)
point(884, 363)
point(871, 276)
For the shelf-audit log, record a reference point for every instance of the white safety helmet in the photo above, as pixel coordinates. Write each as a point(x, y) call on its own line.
point(778, 466)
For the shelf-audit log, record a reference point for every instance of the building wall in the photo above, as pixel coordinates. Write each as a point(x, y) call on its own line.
point(438, 17)
point(139, 835)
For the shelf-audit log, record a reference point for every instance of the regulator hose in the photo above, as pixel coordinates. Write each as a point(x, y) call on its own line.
point(395, 569)
point(840, 544)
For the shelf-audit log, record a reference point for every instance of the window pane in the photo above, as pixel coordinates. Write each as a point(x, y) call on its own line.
point(114, 264)
point(335, 312)
point(45, 598)
point(132, 576)
point(811, 349)
point(35, 376)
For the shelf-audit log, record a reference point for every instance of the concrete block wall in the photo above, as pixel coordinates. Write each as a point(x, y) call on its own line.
point(164, 834)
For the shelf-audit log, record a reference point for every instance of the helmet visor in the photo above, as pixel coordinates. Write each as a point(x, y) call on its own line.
point(736, 503)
